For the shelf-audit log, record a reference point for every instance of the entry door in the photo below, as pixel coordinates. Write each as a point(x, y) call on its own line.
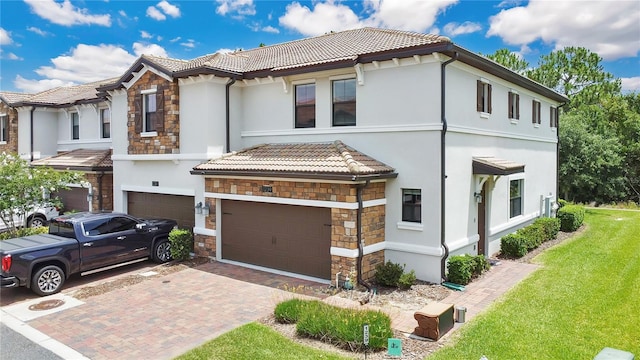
point(482, 221)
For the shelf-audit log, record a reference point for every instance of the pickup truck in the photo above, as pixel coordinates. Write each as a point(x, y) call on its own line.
point(78, 243)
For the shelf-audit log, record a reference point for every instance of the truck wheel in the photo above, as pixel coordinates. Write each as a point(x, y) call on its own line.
point(162, 251)
point(48, 280)
point(36, 221)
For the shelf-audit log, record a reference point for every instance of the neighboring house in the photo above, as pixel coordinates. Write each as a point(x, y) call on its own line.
point(336, 153)
point(66, 128)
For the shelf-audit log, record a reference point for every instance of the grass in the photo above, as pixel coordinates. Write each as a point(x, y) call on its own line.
point(584, 298)
point(255, 341)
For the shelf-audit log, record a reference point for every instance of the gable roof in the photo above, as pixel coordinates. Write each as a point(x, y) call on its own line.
point(61, 96)
point(333, 160)
point(79, 159)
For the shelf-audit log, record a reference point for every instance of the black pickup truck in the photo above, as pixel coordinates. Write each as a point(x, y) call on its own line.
point(81, 242)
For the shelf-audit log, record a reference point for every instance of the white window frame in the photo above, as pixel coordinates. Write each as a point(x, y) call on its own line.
point(72, 125)
point(101, 112)
point(520, 178)
point(486, 103)
point(145, 132)
point(333, 79)
point(4, 128)
point(295, 84)
point(515, 105)
point(536, 112)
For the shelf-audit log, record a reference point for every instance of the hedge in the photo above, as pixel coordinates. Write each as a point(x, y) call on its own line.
point(571, 217)
point(463, 268)
point(518, 244)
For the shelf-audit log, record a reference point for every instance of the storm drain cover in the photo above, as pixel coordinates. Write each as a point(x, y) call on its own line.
point(46, 305)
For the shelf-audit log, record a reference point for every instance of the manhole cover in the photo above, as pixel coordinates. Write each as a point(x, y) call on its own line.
point(46, 305)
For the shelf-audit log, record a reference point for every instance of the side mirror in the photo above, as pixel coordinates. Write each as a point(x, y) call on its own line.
point(141, 227)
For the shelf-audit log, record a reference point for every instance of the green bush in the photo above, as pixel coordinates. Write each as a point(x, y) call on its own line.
point(513, 245)
point(460, 269)
point(480, 264)
point(407, 280)
point(562, 202)
point(288, 312)
point(571, 217)
point(388, 274)
point(551, 226)
point(24, 231)
point(533, 235)
point(181, 241)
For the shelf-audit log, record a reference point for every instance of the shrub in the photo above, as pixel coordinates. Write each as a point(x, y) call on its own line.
point(551, 226)
point(288, 312)
point(513, 245)
point(24, 231)
point(480, 264)
point(533, 235)
point(571, 217)
point(460, 269)
point(562, 202)
point(388, 274)
point(181, 241)
point(406, 280)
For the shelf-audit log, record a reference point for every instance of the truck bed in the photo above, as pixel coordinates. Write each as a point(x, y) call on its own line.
point(34, 243)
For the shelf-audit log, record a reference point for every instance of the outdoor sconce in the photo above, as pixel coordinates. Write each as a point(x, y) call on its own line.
point(199, 208)
point(205, 209)
point(478, 197)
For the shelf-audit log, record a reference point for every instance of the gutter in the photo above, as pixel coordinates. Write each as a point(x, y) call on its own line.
point(361, 281)
point(443, 174)
point(228, 115)
point(33, 109)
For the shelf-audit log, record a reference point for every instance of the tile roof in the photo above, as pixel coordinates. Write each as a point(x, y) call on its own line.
point(334, 158)
point(79, 159)
point(13, 97)
point(489, 165)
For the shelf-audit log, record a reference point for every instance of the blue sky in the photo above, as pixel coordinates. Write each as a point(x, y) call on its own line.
point(49, 43)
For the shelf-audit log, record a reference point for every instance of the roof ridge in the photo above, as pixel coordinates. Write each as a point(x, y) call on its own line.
point(343, 150)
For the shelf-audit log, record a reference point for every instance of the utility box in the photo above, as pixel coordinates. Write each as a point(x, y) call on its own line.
point(613, 354)
point(434, 320)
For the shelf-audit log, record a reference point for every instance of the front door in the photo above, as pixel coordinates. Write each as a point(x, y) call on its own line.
point(482, 221)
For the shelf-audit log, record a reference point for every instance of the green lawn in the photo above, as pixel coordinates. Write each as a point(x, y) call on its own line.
point(584, 298)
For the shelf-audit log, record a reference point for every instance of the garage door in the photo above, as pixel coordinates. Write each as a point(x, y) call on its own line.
point(285, 237)
point(176, 207)
point(74, 199)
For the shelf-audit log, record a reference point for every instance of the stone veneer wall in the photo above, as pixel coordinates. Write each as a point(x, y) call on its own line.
point(167, 141)
point(343, 229)
point(107, 191)
point(11, 146)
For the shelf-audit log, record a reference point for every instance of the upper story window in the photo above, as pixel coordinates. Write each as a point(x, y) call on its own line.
point(412, 205)
point(514, 105)
point(553, 117)
point(483, 97)
point(105, 121)
point(515, 197)
point(149, 111)
point(535, 112)
point(344, 102)
point(305, 106)
point(4, 128)
point(75, 126)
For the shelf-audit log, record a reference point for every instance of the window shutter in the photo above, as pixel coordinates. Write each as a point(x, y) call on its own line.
point(489, 98)
point(137, 113)
point(517, 106)
point(511, 114)
point(533, 111)
point(159, 116)
point(7, 129)
point(479, 96)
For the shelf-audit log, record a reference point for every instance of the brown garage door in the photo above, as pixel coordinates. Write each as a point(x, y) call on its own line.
point(176, 207)
point(74, 199)
point(284, 237)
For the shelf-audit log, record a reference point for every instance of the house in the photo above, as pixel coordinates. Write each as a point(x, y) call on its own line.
point(330, 155)
point(64, 128)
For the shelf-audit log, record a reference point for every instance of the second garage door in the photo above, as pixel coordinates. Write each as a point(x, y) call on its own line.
point(285, 237)
point(74, 199)
point(149, 205)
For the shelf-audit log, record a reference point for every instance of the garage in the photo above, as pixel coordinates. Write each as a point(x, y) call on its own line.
point(73, 199)
point(291, 238)
point(150, 205)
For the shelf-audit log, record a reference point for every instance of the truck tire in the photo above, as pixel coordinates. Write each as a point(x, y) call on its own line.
point(36, 221)
point(162, 251)
point(47, 280)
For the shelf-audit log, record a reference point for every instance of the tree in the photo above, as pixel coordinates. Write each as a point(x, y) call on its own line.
point(577, 73)
point(510, 60)
point(24, 188)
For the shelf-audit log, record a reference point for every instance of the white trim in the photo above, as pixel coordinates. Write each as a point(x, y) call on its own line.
point(413, 226)
point(476, 131)
point(353, 253)
point(152, 90)
point(158, 190)
point(343, 77)
point(274, 271)
point(149, 134)
point(459, 244)
point(517, 176)
point(301, 202)
point(486, 81)
point(160, 157)
point(415, 249)
point(75, 142)
point(204, 231)
point(514, 121)
point(513, 222)
point(484, 115)
point(344, 130)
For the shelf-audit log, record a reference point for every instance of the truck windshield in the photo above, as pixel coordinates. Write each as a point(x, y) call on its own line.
point(63, 229)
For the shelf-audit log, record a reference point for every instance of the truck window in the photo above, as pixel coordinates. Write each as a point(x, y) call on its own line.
point(96, 227)
point(63, 229)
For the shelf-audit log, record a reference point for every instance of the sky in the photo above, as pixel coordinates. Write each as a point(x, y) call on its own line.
point(50, 43)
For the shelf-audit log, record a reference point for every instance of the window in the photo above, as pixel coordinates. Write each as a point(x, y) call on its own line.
point(535, 112)
point(344, 102)
point(4, 128)
point(105, 120)
point(75, 126)
point(149, 110)
point(515, 198)
point(514, 105)
point(484, 97)
point(411, 205)
point(553, 117)
point(306, 106)
point(108, 226)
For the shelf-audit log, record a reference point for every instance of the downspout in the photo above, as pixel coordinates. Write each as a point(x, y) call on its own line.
point(228, 115)
point(359, 189)
point(443, 175)
point(33, 109)
point(100, 208)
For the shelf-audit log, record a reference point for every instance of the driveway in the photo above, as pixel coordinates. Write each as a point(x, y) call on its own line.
point(167, 315)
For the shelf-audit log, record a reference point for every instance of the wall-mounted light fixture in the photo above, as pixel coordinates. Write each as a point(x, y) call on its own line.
point(199, 208)
point(205, 209)
point(478, 197)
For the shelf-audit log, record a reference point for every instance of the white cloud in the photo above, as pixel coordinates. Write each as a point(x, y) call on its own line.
point(176, 39)
point(38, 31)
point(189, 44)
point(631, 84)
point(122, 13)
point(455, 29)
point(5, 37)
point(270, 29)
point(64, 13)
point(225, 51)
point(169, 9)
point(156, 14)
point(12, 56)
point(238, 7)
point(35, 86)
point(411, 15)
point(149, 49)
point(608, 30)
point(145, 35)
